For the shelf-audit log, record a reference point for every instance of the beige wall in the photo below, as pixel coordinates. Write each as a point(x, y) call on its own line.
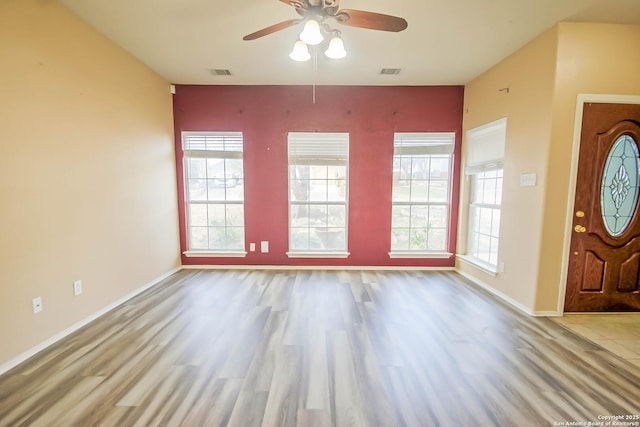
point(545, 78)
point(594, 59)
point(87, 176)
point(529, 75)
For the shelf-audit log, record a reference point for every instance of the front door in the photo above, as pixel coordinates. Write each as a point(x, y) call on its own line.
point(604, 263)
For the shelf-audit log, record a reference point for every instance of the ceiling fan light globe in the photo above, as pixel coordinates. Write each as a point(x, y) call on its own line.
point(300, 52)
point(336, 49)
point(311, 34)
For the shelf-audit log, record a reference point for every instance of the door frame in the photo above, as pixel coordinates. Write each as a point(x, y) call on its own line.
point(582, 99)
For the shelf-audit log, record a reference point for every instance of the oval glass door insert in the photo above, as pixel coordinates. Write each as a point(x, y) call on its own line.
point(619, 191)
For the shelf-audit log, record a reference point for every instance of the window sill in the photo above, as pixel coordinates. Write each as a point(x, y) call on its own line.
point(214, 254)
point(318, 254)
point(491, 270)
point(410, 254)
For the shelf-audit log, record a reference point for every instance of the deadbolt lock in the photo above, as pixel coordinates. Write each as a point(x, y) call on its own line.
point(579, 229)
point(580, 214)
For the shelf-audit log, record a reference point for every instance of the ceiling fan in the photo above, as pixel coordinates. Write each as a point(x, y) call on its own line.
point(320, 10)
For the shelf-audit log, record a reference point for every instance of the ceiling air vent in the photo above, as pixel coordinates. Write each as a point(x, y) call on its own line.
point(390, 71)
point(220, 72)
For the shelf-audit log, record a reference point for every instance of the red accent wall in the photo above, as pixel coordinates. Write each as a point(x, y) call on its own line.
point(371, 115)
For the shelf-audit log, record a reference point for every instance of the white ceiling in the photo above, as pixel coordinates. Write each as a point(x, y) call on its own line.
point(447, 41)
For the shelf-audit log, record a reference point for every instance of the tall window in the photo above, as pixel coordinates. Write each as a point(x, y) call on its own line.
point(485, 152)
point(484, 216)
point(421, 193)
point(214, 191)
point(318, 186)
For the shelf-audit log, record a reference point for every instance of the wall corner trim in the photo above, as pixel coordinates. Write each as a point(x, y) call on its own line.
point(523, 308)
point(71, 329)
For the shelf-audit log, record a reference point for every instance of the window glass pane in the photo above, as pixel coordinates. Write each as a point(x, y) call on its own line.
point(197, 168)
point(401, 191)
point(400, 216)
point(418, 239)
point(484, 216)
point(197, 189)
point(419, 191)
point(233, 170)
point(216, 189)
point(439, 191)
point(299, 215)
point(217, 215)
point(485, 221)
point(318, 173)
point(438, 216)
point(235, 215)
point(493, 254)
point(421, 188)
point(318, 190)
point(217, 238)
point(419, 216)
point(489, 195)
point(336, 172)
point(299, 238)
point(235, 238)
point(495, 223)
point(213, 176)
point(318, 215)
point(299, 190)
point(440, 167)
point(400, 239)
point(215, 170)
point(198, 215)
point(198, 237)
point(235, 193)
point(337, 216)
point(436, 239)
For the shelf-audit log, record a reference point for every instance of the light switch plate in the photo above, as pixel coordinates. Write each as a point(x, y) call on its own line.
point(264, 246)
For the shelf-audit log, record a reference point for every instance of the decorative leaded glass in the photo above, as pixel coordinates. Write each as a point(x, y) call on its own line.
point(619, 190)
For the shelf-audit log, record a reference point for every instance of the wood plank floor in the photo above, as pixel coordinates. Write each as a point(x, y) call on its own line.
point(318, 348)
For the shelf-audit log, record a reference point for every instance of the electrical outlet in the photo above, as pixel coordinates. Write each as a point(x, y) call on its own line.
point(37, 305)
point(252, 247)
point(77, 287)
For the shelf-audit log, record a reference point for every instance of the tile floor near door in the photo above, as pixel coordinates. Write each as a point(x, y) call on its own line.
point(619, 333)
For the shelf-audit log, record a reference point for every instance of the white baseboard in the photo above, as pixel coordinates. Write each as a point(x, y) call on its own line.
point(507, 298)
point(315, 267)
point(57, 337)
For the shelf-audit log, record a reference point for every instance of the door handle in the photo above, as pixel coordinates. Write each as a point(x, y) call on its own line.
point(579, 229)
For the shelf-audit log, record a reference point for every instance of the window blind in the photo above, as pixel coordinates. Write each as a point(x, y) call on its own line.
point(308, 148)
point(423, 143)
point(225, 145)
point(485, 147)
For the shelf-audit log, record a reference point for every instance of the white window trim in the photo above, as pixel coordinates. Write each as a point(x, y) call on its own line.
point(320, 254)
point(438, 148)
point(481, 265)
point(208, 253)
point(214, 254)
point(419, 254)
point(340, 253)
point(485, 152)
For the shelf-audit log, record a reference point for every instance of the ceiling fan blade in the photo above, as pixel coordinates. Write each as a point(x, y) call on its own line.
point(272, 29)
point(370, 20)
point(294, 3)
